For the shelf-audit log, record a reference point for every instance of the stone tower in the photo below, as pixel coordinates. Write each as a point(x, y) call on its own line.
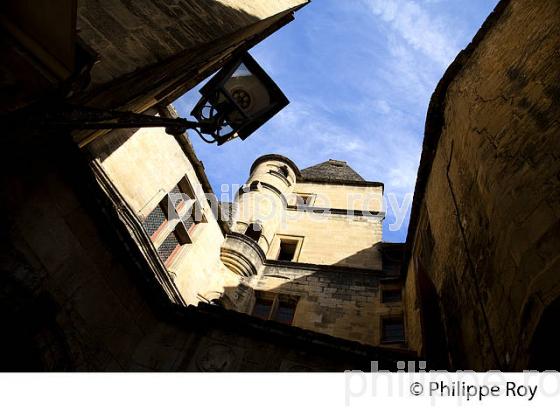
point(262, 204)
point(308, 248)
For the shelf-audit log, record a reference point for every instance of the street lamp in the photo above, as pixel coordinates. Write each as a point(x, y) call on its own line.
point(235, 102)
point(238, 100)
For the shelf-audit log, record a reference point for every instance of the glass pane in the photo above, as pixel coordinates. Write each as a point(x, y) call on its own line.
point(247, 91)
point(176, 198)
point(188, 220)
point(391, 296)
point(285, 313)
point(262, 308)
point(393, 331)
point(167, 247)
point(154, 221)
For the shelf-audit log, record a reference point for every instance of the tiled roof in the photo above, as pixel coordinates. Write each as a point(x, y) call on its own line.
point(331, 171)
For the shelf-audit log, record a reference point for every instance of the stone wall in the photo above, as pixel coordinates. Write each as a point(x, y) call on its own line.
point(336, 272)
point(132, 35)
point(344, 303)
point(338, 240)
point(485, 227)
point(153, 52)
point(353, 221)
point(144, 165)
point(343, 196)
point(77, 292)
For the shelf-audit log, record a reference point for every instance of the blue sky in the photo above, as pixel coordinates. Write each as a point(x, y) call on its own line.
point(359, 75)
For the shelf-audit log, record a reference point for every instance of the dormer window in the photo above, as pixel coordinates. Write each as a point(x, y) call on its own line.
point(337, 163)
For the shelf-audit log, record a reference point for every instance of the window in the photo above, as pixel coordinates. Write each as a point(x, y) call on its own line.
point(285, 312)
point(254, 186)
point(262, 308)
point(168, 247)
point(171, 223)
point(254, 231)
point(303, 200)
point(280, 171)
point(392, 330)
point(284, 171)
point(186, 207)
point(270, 306)
point(390, 295)
point(179, 203)
point(172, 244)
point(155, 219)
point(287, 250)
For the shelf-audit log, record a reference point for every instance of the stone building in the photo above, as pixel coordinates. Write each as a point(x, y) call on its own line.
point(482, 264)
point(85, 283)
point(308, 247)
point(98, 274)
point(271, 258)
point(125, 55)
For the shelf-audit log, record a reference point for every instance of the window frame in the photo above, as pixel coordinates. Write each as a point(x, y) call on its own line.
point(162, 206)
point(276, 300)
point(282, 172)
point(385, 291)
point(391, 318)
point(274, 251)
point(175, 219)
point(306, 204)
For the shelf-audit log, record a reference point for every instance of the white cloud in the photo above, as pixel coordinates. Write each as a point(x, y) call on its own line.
point(417, 27)
point(359, 92)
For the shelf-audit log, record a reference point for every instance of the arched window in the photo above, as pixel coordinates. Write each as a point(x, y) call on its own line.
point(254, 231)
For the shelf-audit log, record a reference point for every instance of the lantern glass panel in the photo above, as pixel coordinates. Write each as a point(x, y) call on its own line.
point(249, 93)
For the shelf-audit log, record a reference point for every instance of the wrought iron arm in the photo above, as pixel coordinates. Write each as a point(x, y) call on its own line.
point(85, 118)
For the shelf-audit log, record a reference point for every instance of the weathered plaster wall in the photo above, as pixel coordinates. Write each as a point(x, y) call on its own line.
point(143, 164)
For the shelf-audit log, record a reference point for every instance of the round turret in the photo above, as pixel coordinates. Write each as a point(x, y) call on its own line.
point(262, 201)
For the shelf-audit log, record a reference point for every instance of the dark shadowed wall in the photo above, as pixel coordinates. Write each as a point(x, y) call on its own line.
point(484, 240)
